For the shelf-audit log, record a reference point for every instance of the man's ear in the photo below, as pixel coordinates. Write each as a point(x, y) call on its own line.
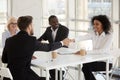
point(28, 29)
point(30, 26)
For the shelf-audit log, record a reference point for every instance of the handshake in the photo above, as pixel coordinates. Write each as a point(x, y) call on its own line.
point(67, 41)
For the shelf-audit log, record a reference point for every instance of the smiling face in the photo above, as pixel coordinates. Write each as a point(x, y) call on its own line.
point(97, 25)
point(54, 22)
point(12, 25)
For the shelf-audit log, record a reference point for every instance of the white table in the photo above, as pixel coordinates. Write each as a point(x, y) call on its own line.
point(71, 60)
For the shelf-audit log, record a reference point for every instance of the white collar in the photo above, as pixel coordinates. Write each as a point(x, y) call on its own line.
point(55, 29)
point(102, 34)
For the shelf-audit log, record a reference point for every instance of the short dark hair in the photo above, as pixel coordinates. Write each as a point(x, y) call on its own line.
point(24, 21)
point(105, 22)
point(52, 16)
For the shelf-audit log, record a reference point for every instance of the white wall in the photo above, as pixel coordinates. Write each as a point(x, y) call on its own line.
point(27, 7)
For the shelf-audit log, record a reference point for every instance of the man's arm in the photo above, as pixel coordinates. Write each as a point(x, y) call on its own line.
point(65, 32)
point(44, 36)
point(50, 47)
point(4, 54)
point(47, 47)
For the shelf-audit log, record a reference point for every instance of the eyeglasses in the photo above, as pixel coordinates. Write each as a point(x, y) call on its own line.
point(13, 23)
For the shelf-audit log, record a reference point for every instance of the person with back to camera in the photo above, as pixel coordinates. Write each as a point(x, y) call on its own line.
point(54, 33)
point(19, 49)
point(12, 29)
point(102, 38)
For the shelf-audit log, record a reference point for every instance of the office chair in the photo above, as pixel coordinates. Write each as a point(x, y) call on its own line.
point(112, 70)
point(68, 73)
point(5, 72)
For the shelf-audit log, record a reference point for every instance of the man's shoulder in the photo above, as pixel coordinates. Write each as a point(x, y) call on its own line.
point(24, 37)
point(33, 37)
point(48, 28)
point(6, 32)
point(63, 27)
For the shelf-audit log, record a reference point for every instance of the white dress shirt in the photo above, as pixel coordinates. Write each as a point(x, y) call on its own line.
point(54, 33)
point(100, 43)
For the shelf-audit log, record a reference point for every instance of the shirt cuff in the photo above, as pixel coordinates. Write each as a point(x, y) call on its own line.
point(62, 43)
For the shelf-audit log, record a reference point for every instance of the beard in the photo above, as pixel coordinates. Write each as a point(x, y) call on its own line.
point(31, 32)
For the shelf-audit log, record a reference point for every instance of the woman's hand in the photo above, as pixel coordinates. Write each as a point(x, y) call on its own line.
point(77, 53)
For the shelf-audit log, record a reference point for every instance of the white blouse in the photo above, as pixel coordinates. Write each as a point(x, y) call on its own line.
point(101, 42)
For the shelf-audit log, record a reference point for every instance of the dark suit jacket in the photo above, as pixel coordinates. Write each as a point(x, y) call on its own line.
point(18, 52)
point(62, 33)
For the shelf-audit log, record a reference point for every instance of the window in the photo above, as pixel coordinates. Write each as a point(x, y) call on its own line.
point(3, 16)
point(53, 7)
point(76, 14)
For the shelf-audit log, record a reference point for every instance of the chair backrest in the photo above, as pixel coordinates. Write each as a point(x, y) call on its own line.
point(5, 72)
point(1, 64)
point(115, 58)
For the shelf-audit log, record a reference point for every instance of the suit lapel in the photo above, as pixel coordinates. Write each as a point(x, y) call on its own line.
point(50, 34)
point(58, 34)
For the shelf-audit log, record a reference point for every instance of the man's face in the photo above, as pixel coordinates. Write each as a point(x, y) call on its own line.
point(13, 26)
point(54, 22)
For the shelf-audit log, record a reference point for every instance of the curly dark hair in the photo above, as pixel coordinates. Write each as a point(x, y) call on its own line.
point(105, 22)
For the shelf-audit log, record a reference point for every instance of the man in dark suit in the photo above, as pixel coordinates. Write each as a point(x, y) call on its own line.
point(19, 49)
point(54, 33)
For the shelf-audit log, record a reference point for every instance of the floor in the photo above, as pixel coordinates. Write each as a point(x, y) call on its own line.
point(72, 75)
point(98, 77)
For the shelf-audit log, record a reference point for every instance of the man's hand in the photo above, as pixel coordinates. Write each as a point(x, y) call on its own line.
point(72, 40)
point(33, 57)
point(77, 53)
point(66, 41)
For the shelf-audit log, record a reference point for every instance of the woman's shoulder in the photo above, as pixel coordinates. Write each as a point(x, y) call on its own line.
point(109, 35)
point(6, 32)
